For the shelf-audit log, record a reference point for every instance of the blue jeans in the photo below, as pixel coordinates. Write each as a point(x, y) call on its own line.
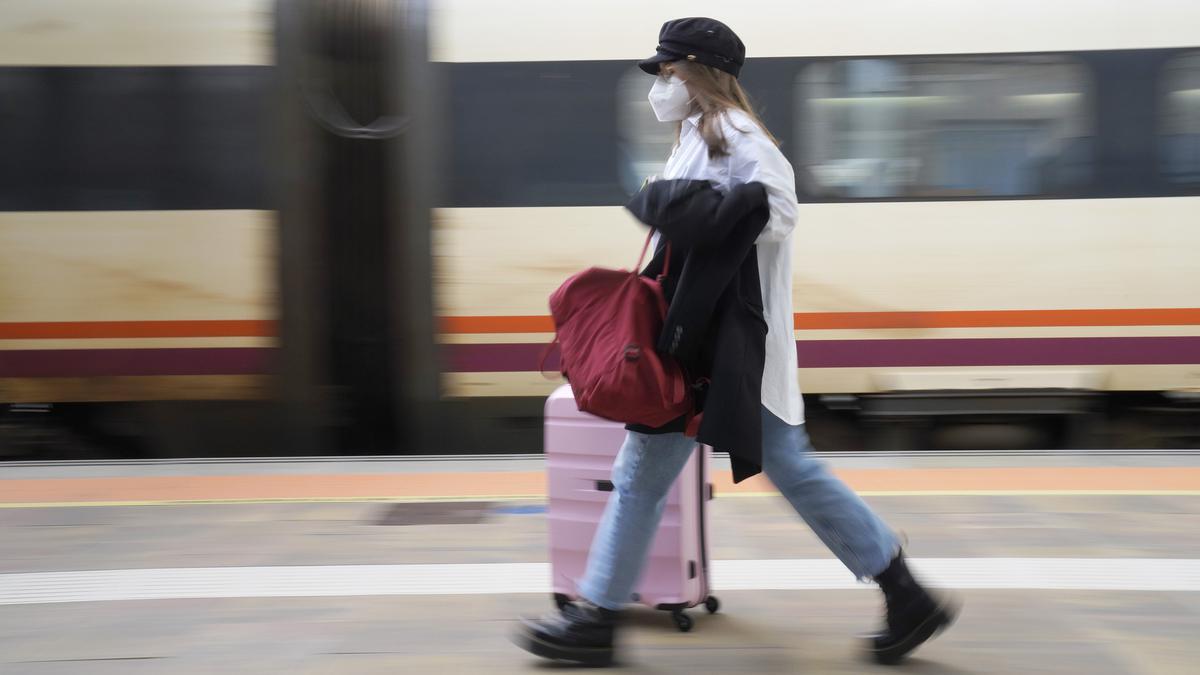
point(647, 467)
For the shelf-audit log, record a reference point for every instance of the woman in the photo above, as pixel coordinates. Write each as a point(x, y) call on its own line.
point(723, 143)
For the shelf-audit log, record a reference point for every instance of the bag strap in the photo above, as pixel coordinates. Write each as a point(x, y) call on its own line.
point(680, 387)
point(646, 247)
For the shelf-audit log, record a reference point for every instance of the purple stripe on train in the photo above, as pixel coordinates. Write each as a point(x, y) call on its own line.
point(999, 352)
point(118, 362)
point(488, 358)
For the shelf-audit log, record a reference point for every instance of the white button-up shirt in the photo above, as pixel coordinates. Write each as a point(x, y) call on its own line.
point(754, 158)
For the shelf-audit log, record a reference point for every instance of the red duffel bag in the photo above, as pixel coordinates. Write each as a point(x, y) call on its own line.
point(607, 324)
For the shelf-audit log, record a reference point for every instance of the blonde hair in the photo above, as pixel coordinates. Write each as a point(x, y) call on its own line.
point(715, 92)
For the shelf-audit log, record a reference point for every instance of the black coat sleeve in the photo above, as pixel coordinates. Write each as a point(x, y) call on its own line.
point(692, 213)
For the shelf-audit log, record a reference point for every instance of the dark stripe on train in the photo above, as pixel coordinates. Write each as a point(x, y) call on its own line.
point(514, 134)
point(134, 138)
point(545, 133)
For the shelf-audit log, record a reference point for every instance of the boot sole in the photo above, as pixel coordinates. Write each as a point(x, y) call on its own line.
point(940, 620)
point(593, 657)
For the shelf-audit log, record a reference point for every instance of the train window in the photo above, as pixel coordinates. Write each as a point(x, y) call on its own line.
point(945, 126)
point(1180, 127)
point(645, 142)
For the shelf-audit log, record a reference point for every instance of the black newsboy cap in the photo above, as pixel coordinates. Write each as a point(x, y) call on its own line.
point(698, 39)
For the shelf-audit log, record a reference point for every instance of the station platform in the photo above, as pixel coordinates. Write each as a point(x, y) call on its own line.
point(1067, 562)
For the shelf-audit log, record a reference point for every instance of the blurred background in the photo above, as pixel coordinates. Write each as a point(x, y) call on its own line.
point(238, 227)
point(273, 302)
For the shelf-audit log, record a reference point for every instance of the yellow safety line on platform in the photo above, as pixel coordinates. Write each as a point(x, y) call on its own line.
point(542, 498)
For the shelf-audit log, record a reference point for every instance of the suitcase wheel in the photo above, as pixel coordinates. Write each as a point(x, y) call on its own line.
point(712, 604)
point(683, 621)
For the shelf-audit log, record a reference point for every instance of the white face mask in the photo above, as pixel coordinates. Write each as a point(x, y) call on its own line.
point(670, 99)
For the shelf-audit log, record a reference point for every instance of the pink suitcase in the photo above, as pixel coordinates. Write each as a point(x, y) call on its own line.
point(580, 451)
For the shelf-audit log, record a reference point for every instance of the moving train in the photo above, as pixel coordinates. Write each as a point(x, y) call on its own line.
point(999, 206)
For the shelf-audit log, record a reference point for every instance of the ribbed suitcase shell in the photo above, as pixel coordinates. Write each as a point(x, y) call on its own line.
point(580, 451)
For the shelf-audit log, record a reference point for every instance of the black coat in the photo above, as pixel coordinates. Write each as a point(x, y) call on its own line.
point(715, 326)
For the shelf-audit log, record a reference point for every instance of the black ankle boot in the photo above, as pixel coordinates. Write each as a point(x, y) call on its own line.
point(913, 614)
point(580, 633)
